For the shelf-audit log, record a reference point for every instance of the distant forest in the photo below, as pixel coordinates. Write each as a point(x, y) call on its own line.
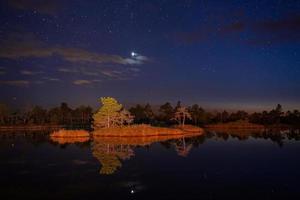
point(144, 114)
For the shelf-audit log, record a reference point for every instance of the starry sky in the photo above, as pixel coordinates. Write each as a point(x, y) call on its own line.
point(219, 54)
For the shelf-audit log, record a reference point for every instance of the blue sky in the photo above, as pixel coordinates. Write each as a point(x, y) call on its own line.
point(215, 53)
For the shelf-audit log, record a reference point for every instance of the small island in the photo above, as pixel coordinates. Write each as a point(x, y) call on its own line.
point(113, 120)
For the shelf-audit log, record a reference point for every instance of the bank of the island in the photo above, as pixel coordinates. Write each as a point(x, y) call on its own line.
point(146, 131)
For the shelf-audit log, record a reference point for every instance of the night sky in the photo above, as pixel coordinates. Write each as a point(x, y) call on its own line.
point(231, 54)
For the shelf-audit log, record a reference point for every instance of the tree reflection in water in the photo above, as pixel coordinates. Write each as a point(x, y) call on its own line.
point(111, 155)
point(111, 151)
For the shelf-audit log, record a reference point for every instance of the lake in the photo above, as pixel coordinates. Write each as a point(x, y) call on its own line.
point(217, 165)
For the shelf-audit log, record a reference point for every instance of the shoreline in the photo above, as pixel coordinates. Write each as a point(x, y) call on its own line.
point(31, 127)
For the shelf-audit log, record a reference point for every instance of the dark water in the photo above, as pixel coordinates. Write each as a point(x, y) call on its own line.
point(214, 166)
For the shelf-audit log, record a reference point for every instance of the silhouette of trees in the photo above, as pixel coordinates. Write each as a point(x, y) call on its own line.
point(166, 113)
point(274, 117)
point(65, 113)
point(4, 113)
point(239, 115)
point(83, 115)
point(198, 114)
point(38, 115)
point(54, 116)
point(142, 114)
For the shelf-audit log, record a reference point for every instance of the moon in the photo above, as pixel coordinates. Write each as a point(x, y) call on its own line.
point(133, 54)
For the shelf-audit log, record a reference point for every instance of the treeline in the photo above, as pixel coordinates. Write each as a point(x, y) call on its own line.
point(145, 114)
point(200, 117)
point(61, 115)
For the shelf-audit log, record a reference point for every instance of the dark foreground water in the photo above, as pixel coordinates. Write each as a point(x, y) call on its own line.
point(214, 166)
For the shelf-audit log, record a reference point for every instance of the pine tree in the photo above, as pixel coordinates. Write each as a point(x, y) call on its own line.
point(111, 114)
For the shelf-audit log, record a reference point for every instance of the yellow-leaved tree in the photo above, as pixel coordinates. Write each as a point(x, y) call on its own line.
point(111, 113)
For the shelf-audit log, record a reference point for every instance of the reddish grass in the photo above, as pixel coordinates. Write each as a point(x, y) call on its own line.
point(138, 131)
point(69, 133)
point(190, 128)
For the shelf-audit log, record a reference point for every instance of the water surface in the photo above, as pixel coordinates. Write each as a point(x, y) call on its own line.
point(213, 166)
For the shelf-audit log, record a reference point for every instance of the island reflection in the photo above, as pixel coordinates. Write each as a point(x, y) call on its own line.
point(112, 151)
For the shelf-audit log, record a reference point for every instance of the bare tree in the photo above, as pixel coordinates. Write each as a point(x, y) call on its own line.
point(181, 115)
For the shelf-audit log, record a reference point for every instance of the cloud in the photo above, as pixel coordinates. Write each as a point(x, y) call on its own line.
point(67, 70)
point(18, 83)
point(85, 82)
point(234, 27)
point(282, 30)
point(115, 74)
point(204, 33)
point(21, 48)
point(97, 80)
point(19, 45)
point(28, 72)
point(48, 7)
point(82, 82)
point(51, 79)
point(290, 24)
point(90, 73)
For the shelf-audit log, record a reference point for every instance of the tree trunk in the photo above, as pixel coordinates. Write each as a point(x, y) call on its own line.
point(108, 121)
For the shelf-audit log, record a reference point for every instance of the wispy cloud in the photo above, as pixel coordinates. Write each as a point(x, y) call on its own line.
point(82, 82)
point(19, 45)
point(28, 72)
point(51, 79)
point(68, 70)
point(14, 48)
point(18, 83)
point(282, 30)
point(49, 7)
point(112, 73)
point(86, 82)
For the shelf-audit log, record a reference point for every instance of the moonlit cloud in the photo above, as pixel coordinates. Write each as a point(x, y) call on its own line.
point(24, 48)
point(51, 79)
point(112, 73)
point(28, 72)
point(67, 70)
point(82, 62)
point(82, 82)
point(85, 82)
